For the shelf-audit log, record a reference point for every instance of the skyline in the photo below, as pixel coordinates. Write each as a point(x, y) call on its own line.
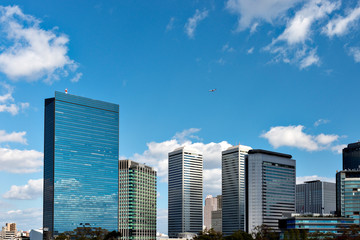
point(277, 89)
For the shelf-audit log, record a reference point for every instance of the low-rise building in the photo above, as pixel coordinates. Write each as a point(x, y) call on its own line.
point(315, 223)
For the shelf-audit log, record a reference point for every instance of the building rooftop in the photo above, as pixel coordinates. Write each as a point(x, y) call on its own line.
point(270, 153)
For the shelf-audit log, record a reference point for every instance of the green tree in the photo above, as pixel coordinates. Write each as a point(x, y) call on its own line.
point(264, 232)
point(208, 234)
point(114, 235)
point(239, 235)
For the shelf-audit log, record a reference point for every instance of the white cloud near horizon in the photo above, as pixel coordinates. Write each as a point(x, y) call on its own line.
point(26, 219)
point(294, 136)
point(303, 179)
point(32, 190)
point(250, 12)
point(193, 22)
point(341, 25)
point(7, 101)
point(156, 155)
point(20, 161)
point(30, 52)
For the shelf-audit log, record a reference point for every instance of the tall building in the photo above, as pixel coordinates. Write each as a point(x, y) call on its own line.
point(210, 205)
point(316, 197)
point(137, 201)
point(185, 192)
point(348, 194)
point(270, 188)
point(233, 189)
point(216, 216)
point(351, 156)
point(81, 151)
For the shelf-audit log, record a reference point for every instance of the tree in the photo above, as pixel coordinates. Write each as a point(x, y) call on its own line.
point(114, 235)
point(264, 232)
point(239, 235)
point(208, 234)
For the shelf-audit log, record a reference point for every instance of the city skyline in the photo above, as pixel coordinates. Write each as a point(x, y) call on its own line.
point(274, 90)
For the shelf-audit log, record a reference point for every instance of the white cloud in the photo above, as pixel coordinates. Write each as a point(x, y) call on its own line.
point(227, 48)
point(212, 181)
point(170, 25)
point(298, 29)
point(355, 52)
point(187, 135)
point(7, 101)
point(33, 189)
point(157, 156)
point(320, 122)
point(20, 161)
point(192, 22)
point(293, 136)
point(303, 179)
point(292, 45)
point(26, 219)
point(249, 11)
point(338, 148)
point(13, 137)
point(310, 59)
point(31, 53)
point(250, 51)
point(341, 25)
point(76, 78)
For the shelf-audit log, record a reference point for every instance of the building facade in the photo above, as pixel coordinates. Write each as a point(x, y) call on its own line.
point(270, 188)
point(316, 224)
point(210, 205)
point(137, 201)
point(81, 151)
point(348, 194)
point(185, 190)
point(216, 216)
point(316, 197)
point(233, 189)
point(351, 156)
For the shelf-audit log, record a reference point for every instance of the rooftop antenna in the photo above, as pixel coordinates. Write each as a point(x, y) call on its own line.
point(66, 91)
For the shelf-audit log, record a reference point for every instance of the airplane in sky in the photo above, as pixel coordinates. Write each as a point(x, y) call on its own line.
point(212, 90)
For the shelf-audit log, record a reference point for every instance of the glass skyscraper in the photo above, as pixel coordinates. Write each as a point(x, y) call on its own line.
point(270, 188)
point(81, 151)
point(137, 201)
point(233, 189)
point(185, 192)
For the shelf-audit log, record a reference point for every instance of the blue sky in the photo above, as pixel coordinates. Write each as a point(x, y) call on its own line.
point(286, 74)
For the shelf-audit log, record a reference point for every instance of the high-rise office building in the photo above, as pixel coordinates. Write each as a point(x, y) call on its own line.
point(351, 156)
point(216, 216)
point(210, 205)
point(81, 154)
point(316, 197)
point(270, 188)
point(185, 192)
point(233, 189)
point(348, 194)
point(137, 201)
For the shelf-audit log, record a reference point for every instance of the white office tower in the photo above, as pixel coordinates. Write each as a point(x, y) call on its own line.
point(233, 189)
point(270, 188)
point(185, 192)
point(210, 205)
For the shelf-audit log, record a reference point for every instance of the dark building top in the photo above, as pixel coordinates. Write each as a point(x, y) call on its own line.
point(351, 156)
point(270, 153)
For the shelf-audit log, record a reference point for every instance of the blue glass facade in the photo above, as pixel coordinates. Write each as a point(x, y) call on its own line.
point(81, 152)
